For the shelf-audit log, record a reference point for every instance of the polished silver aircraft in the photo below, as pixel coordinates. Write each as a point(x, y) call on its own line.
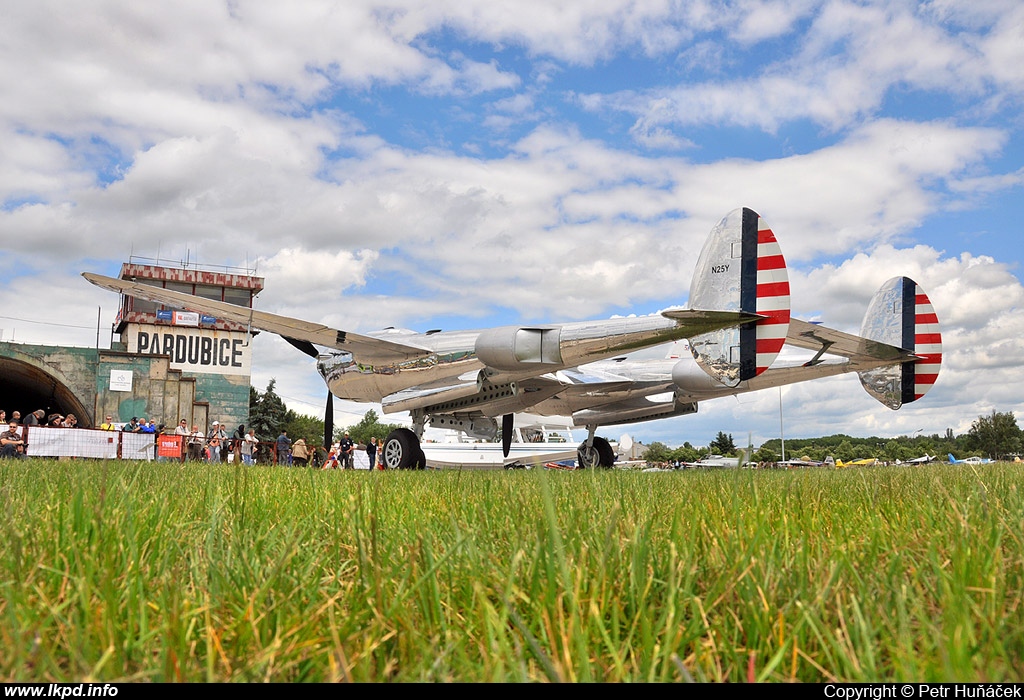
point(897, 357)
point(736, 323)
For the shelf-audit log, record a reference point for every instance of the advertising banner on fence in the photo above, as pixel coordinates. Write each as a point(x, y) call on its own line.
point(169, 446)
point(72, 442)
point(100, 444)
point(196, 350)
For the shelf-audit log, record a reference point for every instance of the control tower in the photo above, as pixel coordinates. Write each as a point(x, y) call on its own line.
point(212, 354)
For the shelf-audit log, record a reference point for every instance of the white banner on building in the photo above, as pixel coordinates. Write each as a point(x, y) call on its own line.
point(196, 350)
point(120, 380)
point(186, 318)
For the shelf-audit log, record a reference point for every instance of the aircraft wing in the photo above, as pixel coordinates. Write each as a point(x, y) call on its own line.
point(365, 349)
point(812, 336)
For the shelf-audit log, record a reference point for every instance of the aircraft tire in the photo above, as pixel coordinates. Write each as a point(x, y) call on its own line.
point(401, 450)
point(600, 454)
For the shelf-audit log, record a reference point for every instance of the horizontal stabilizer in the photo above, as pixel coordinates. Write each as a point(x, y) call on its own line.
point(369, 350)
point(812, 336)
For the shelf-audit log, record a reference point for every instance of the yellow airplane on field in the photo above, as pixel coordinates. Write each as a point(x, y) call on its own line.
point(869, 462)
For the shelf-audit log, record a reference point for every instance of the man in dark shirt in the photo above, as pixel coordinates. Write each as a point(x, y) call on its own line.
point(348, 449)
point(284, 452)
point(11, 444)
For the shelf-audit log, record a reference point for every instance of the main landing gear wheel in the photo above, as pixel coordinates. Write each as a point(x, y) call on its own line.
point(402, 450)
point(600, 454)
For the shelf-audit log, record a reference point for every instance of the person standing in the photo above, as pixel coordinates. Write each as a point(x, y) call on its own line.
point(371, 452)
point(132, 426)
point(195, 444)
point(108, 424)
point(237, 438)
point(35, 418)
point(284, 452)
point(218, 436)
point(248, 445)
point(348, 449)
point(300, 453)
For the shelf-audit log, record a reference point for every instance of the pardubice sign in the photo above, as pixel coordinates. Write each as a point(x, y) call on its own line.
point(196, 350)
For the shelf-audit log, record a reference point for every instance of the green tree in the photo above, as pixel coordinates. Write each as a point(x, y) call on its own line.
point(657, 452)
point(996, 435)
point(722, 444)
point(686, 453)
point(267, 412)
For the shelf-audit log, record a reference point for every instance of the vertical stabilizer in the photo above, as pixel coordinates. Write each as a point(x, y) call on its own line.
point(901, 314)
point(741, 268)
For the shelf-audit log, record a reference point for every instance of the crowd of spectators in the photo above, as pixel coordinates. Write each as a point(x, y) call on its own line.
point(242, 443)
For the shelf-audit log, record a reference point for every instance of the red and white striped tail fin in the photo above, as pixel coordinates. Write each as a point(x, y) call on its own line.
point(772, 298)
point(901, 314)
point(741, 268)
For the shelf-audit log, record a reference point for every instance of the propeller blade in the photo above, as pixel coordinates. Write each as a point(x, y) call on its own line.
point(506, 433)
point(329, 422)
point(303, 345)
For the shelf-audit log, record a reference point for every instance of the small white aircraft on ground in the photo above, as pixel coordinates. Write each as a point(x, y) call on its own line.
point(737, 323)
point(969, 460)
point(717, 462)
point(923, 459)
point(536, 440)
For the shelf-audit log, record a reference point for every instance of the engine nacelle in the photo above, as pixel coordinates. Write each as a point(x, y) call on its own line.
point(512, 348)
point(692, 379)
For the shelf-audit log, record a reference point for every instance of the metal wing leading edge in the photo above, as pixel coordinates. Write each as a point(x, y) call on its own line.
point(365, 349)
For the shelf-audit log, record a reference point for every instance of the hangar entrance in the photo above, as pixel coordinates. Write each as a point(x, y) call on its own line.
point(26, 388)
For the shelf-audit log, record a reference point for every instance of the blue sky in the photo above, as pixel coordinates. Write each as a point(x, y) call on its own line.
point(456, 165)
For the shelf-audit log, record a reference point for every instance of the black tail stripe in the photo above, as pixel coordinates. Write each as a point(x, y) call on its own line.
point(909, 339)
point(748, 294)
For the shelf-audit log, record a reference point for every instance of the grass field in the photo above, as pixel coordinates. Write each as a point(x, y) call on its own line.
point(168, 572)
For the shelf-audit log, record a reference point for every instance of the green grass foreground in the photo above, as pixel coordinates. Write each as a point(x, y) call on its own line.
point(168, 572)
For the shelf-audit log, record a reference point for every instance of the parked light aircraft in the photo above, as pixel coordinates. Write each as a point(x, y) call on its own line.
point(737, 323)
point(969, 460)
point(718, 462)
point(866, 462)
point(536, 440)
point(923, 459)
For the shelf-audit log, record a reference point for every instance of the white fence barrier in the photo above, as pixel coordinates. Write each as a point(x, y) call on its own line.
point(43, 441)
point(86, 442)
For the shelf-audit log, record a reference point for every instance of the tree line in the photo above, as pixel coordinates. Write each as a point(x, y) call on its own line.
point(995, 436)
